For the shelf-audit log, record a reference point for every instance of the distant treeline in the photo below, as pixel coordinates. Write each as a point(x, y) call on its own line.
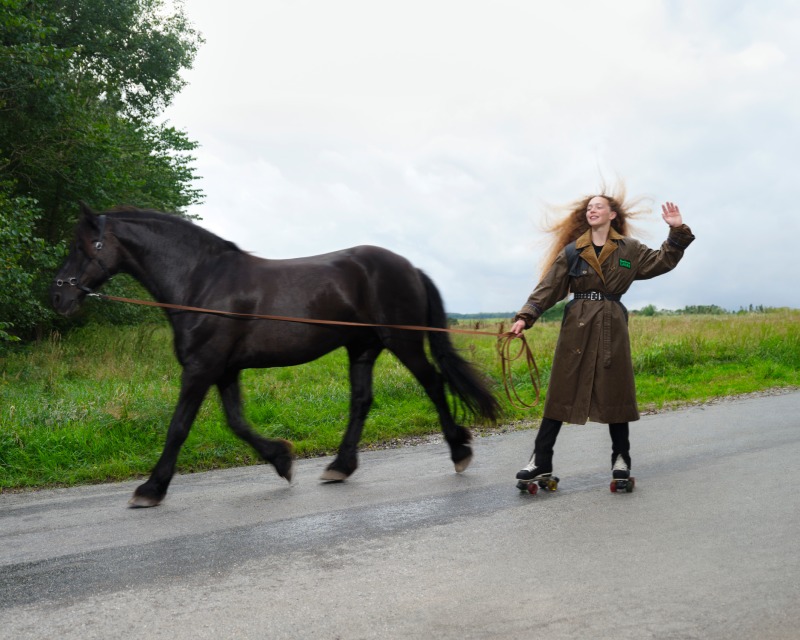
point(557, 312)
point(700, 310)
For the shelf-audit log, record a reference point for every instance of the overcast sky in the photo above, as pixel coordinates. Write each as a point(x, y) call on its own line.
point(441, 129)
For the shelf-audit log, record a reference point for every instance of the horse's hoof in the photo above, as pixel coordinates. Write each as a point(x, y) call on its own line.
point(462, 465)
point(285, 467)
point(332, 475)
point(142, 502)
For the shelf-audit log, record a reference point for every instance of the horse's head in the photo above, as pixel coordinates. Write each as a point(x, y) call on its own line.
point(92, 260)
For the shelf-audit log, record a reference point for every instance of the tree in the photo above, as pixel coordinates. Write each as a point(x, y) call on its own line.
point(81, 84)
point(23, 255)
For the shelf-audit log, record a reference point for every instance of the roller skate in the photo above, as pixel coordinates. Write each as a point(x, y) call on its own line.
point(532, 478)
point(621, 474)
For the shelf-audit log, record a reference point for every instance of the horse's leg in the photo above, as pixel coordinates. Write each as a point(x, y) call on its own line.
point(412, 355)
point(362, 363)
point(193, 391)
point(277, 452)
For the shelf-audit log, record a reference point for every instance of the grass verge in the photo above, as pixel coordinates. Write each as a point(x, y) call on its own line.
point(95, 405)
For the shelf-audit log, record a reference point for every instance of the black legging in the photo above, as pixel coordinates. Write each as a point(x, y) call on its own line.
point(548, 432)
point(620, 445)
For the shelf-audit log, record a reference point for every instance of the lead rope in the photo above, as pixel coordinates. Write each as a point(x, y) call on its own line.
point(504, 341)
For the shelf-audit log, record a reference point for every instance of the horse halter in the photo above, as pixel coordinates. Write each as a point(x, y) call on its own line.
point(73, 281)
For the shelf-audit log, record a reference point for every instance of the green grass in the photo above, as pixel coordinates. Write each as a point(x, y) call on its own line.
point(693, 358)
point(94, 406)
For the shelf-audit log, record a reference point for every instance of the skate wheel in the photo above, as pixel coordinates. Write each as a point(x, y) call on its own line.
point(613, 486)
point(533, 488)
point(522, 486)
point(630, 485)
point(552, 485)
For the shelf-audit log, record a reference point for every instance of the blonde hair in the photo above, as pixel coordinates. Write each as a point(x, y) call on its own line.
point(572, 224)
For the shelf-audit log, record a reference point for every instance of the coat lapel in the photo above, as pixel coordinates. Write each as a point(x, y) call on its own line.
point(584, 245)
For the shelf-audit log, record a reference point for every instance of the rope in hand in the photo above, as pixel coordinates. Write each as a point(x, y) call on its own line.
point(504, 340)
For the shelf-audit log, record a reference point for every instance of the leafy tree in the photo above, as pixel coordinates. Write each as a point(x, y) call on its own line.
point(23, 254)
point(81, 83)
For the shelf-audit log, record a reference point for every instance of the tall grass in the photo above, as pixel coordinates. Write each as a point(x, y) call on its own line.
point(95, 405)
point(685, 358)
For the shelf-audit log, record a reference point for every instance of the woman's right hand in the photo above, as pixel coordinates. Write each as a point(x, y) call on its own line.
point(518, 327)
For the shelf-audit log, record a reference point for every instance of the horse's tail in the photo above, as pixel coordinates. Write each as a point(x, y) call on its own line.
point(466, 383)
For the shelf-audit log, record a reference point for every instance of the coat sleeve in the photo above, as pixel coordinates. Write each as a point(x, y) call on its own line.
point(553, 288)
point(655, 262)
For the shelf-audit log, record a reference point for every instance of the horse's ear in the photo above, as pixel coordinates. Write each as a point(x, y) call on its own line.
point(86, 210)
point(88, 216)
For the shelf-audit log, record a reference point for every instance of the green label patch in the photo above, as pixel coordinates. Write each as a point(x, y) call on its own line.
point(625, 263)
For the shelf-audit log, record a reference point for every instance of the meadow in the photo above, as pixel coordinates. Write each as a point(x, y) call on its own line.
point(94, 405)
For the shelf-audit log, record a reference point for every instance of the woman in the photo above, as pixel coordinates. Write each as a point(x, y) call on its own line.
point(592, 377)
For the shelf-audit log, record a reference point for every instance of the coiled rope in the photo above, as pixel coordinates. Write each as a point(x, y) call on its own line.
point(504, 342)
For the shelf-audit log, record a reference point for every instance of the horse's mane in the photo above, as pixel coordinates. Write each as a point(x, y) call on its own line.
point(183, 228)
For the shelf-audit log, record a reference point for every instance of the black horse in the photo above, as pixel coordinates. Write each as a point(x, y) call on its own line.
point(183, 264)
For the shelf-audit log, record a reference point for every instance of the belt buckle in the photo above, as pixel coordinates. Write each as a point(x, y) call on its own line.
point(594, 295)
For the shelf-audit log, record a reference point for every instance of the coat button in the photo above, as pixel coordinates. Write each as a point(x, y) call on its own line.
point(580, 324)
point(578, 351)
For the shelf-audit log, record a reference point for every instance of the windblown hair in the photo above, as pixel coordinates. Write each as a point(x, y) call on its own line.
point(572, 224)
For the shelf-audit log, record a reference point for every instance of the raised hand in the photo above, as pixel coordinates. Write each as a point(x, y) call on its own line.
point(671, 214)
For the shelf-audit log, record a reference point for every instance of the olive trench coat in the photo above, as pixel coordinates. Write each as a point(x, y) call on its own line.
point(592, 374)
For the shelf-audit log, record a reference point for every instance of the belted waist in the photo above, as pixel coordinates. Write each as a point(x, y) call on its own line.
point(596, 295)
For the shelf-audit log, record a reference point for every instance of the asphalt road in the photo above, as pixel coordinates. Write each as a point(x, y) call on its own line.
point(706, 546)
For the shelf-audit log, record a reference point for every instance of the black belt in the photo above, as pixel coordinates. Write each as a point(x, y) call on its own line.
point(596, 295)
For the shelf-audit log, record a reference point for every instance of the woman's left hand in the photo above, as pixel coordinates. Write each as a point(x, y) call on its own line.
point(671, 214)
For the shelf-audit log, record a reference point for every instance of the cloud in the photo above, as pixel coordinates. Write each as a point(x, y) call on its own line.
point(441, 130)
